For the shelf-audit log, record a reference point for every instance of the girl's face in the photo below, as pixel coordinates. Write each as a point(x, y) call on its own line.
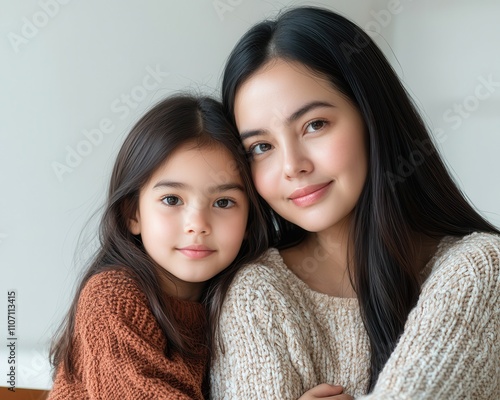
point(309, 159)
point(192, 213)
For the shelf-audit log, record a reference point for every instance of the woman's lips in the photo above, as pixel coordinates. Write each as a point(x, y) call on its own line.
point(309, 195)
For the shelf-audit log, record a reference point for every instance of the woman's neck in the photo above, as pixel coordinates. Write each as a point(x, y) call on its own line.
point(426, 247)
point(321, 262)
point(321, 259)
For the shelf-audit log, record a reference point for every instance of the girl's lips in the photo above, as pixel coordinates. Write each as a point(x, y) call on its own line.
point(309, 195)
point(196, 251)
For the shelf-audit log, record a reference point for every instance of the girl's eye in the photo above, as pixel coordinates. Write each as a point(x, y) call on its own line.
point(172, 201)
point(315, 126)
point(224, 203)
point(259, 148)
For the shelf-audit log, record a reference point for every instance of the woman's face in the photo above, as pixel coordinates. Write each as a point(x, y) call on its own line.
point(307, 144)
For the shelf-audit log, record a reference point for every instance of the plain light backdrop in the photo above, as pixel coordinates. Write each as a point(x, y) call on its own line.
point(76, 75)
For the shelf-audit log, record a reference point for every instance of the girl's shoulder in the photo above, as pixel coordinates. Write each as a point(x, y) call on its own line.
point(111, 282)
point(112, 302)
point(474, 257)
point(112, 292)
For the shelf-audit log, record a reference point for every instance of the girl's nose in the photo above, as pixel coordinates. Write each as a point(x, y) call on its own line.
point(197, 222)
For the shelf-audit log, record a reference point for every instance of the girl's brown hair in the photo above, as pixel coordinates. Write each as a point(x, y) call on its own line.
point(171, 123)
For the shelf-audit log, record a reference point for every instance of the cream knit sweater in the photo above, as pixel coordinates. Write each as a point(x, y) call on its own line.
point(281, 338)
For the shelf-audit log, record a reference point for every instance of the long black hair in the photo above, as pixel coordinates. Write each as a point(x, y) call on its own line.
point(408, 190)
point(175, 121)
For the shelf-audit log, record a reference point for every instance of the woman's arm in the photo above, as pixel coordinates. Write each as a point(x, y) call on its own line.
point(259, 340)
point(450, 348)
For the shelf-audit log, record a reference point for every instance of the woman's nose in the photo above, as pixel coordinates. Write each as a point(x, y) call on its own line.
point(296, 162)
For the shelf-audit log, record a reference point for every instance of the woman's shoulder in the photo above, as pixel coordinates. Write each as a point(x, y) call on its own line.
point(269, 268)
point(478, 240)
point(472, 257)
point(473, 248)
point(267, 280)
point(263, 294)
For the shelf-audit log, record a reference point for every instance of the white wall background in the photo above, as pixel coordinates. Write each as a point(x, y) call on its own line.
point(70, 68)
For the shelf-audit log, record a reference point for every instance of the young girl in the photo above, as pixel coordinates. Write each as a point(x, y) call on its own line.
point(383, 283)
point(180, 219)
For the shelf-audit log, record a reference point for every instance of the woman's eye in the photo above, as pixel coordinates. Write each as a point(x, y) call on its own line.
point(315, 125)
point(172, 201)
point(259, 148)
point(224, 203)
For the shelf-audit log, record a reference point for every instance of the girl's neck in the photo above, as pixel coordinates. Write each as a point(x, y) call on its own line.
point(182, 290)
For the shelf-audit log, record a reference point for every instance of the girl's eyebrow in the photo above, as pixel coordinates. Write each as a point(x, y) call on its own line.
point(170, 184)
point(212, 189)
point(293, 117)
point(226, 187)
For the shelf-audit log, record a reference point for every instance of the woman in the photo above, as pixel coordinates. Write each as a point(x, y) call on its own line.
point(385, 283)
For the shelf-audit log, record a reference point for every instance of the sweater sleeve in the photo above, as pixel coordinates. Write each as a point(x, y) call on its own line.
point(450, 348)
point(256, 362)
point(120, 346)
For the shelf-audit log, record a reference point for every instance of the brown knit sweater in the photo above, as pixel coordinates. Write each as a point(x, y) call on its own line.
point(119, 346)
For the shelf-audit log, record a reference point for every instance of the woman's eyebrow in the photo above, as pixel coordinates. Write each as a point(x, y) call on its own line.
point(293, 117)
point(248, 134)
point(306, 108)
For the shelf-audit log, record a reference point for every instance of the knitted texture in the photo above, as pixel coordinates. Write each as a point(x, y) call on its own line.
point(281, 338)
point(119, 347)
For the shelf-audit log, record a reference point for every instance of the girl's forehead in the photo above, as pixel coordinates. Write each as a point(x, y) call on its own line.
point(198, 166)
